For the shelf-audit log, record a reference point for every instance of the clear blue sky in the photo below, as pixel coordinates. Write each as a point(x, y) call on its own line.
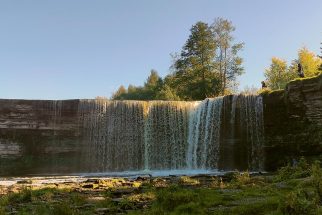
point(66, 49)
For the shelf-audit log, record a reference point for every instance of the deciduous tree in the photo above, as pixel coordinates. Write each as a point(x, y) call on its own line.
point(228, 63)
point(278, 74)
point(310, 62)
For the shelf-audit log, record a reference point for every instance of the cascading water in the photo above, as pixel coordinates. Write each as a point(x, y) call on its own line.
point(162, 135)
point(114, 133)
point(203, 137)
point(251, 116)
point(242, 133)
point(166, 135)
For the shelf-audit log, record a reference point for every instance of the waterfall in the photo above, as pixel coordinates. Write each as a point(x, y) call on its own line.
point(203, 137)
point(114, 133)
point(165, 135)
point(242, 133)
point(251, 115)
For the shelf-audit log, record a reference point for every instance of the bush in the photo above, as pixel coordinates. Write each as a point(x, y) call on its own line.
point(241, 179)
point(299, 170)
point(317, 180)
point(298, 202)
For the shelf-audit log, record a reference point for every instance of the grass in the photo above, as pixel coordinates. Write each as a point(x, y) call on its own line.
point(293, 190)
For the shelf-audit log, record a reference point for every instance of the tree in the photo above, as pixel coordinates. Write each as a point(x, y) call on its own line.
point(278, 74)
point(320, 56)
point(229, 64)
point(209, 63)
point(166, 93)
point(152, 85)
point(194, 75)
point(207, 66)
point(149, 91)
point(120, 93)
point(310, 62)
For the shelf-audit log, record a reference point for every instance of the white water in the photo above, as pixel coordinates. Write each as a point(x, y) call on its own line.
point(127, 136)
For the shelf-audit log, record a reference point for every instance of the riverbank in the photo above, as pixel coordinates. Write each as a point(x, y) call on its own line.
point(293, 190)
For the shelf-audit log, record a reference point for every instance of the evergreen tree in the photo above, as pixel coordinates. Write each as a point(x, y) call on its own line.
point(194, 76)
point(168, 94)
point(120, 93)
point(207, 66)
point(148, 92)
point(152, 85)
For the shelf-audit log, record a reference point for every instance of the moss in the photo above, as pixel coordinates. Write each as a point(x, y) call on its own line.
point(270, 92)
point(306, 78)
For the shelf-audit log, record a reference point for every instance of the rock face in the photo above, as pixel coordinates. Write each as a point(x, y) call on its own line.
point(39, 137)
point(293, 122)
point(46, 137)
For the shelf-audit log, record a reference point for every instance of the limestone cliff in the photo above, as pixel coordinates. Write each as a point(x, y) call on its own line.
point(293, 122)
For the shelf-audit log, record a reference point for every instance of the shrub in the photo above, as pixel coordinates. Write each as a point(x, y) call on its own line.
point(241, 179)
point(317, 180)
point(297, 203)
point(299, 170)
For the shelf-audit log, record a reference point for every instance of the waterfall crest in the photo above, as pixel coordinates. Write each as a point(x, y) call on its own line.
point(217, 133)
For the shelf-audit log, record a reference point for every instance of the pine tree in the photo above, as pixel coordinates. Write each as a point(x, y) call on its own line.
point(209, 63)
point(120, 93)
point(194, 76)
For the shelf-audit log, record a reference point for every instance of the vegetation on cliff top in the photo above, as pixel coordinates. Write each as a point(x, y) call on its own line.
point(208, 66)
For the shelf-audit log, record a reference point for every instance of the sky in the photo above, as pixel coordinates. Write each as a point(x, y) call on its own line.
point(68, 49)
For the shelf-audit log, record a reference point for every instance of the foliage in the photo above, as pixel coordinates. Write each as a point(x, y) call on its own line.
point(207, 66)
point(279, 73)
point(298, 203)
point(310, 62)
point(298, 170)
point(316, 172)
point(193, 77)
point(228, 63)
point(242, 179)
point(305, 197)
point(149, 91)
point(167, 93)
point(185, 180)
point(209, 63)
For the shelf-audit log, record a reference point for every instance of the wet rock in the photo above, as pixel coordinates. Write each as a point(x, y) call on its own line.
point(102, 210)
point(24, 182)
point(121, 192)
point(88, 205)
point(117, 200)
point(90, 186)
point(96, 198)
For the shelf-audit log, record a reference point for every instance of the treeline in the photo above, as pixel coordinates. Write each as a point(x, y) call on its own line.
point(207, 66)
point(280, 73)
